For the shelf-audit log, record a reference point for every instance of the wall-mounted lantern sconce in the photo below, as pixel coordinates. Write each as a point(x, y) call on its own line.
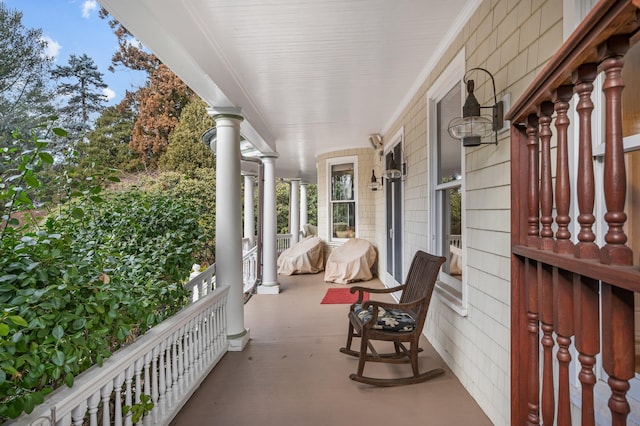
point(395, 171)
point(472, 127)
point(373, 185)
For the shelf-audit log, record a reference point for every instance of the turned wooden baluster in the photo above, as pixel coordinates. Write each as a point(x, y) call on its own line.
point(618, 348)
point(586, 298)
point(533, 197)
point(531, 283)
point(561, 98)
point(615, 251)
point(587, 336)
point(563, 280)
point(545, 282)
point(546, 186)
point(617, 303)
point(583, 83)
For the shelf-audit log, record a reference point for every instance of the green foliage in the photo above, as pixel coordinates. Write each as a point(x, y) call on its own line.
point(199, 189)
point(140, 409)
point(186, 152)
point(85, 282)
point(107, 146)
point(282, 206)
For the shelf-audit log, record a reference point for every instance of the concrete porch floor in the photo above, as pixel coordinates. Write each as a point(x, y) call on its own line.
point(291, 372)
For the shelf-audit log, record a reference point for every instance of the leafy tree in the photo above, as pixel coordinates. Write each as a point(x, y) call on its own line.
point(24, 71)
point(158, 104)
point(80, 83)
point(186, 152)
point(107, 145)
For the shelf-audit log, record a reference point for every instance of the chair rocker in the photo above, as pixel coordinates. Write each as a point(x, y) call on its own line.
point(399, 323)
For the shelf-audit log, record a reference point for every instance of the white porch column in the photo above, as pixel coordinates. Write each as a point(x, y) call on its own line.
point(269, 229)
point(249, 217)
point(304, 217)
point(229, 221)
point(294, 211)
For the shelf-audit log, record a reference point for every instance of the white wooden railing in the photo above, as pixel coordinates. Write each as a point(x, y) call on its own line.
point(455, 241)
point(167, 364)
point(250, 269)
point(283, 242)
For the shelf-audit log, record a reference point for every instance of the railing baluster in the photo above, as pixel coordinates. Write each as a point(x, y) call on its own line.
point(92, 405)
point(105, 394)
point(162, 386)
point(615, 251)
point(117, 400)
point(563, 322)
point(618, 357)
point(583, 80)
point(533, 417)
point(533, 195)
point(561, 98)
point(546, 186)
point(587, 325)
point(128, 398)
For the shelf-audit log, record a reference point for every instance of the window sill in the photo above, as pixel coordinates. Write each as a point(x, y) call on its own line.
point(451, 297)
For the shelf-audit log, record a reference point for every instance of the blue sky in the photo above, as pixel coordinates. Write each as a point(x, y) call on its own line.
point(74, 27)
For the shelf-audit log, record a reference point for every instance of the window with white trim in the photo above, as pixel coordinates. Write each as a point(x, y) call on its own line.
point(444, 100)
point(342, 198)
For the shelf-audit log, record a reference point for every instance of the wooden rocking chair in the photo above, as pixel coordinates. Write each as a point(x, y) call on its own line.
point(394, 322)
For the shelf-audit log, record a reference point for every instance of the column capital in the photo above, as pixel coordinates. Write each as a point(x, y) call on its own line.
point(272, 155)
point(225, 112)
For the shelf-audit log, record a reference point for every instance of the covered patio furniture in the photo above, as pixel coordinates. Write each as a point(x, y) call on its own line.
point(398, 323)
point(305, 257)
point(350, 262)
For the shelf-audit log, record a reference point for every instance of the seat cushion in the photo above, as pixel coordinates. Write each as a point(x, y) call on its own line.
point(389, 320)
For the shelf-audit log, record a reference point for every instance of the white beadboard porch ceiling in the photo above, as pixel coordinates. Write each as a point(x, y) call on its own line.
point(311, 76)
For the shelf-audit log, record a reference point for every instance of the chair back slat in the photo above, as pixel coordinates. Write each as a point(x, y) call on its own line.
point(421, 277)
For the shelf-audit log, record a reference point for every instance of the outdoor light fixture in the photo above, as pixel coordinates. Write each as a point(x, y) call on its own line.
point(373, 185)
point(472, 127)
point(394, 172)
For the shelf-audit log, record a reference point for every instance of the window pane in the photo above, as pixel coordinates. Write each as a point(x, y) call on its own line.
point(449, 150)
point(452, 232)
point(342, 182)
point(344, 220)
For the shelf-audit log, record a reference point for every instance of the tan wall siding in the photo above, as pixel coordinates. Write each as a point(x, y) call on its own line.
point(512, 39)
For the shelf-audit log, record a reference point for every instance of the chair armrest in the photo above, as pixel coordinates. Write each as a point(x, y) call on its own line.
point(376, 290)
point(362, 290)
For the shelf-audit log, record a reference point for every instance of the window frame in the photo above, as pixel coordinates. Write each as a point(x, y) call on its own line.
point(330, 202)
point(453, 294)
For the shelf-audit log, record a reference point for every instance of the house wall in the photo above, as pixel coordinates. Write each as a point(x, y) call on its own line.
point(513, 40)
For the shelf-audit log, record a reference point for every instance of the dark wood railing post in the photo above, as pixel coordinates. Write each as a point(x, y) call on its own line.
point(561, 98)
point(585, 187)
point(618, 357)
point(545, 272)
point(563, 280)
point(533, 196)
point(615, 179)
point(531, 282)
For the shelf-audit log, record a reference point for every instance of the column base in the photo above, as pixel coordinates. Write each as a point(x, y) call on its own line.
point(238, 342)
point(269, 289)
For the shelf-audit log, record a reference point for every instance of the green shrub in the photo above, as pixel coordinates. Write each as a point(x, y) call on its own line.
point(86, 283)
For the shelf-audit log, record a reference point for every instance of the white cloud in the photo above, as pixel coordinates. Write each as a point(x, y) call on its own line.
point(53, 47)
point(110, 94)
point(87, 7)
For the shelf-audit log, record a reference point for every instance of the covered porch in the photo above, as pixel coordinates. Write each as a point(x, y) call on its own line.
point(292, 373)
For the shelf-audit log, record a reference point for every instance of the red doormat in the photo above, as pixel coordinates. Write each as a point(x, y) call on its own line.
point(341, 296)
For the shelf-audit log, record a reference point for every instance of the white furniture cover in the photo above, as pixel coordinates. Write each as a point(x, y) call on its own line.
point(305, 257)
point(350, 262)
